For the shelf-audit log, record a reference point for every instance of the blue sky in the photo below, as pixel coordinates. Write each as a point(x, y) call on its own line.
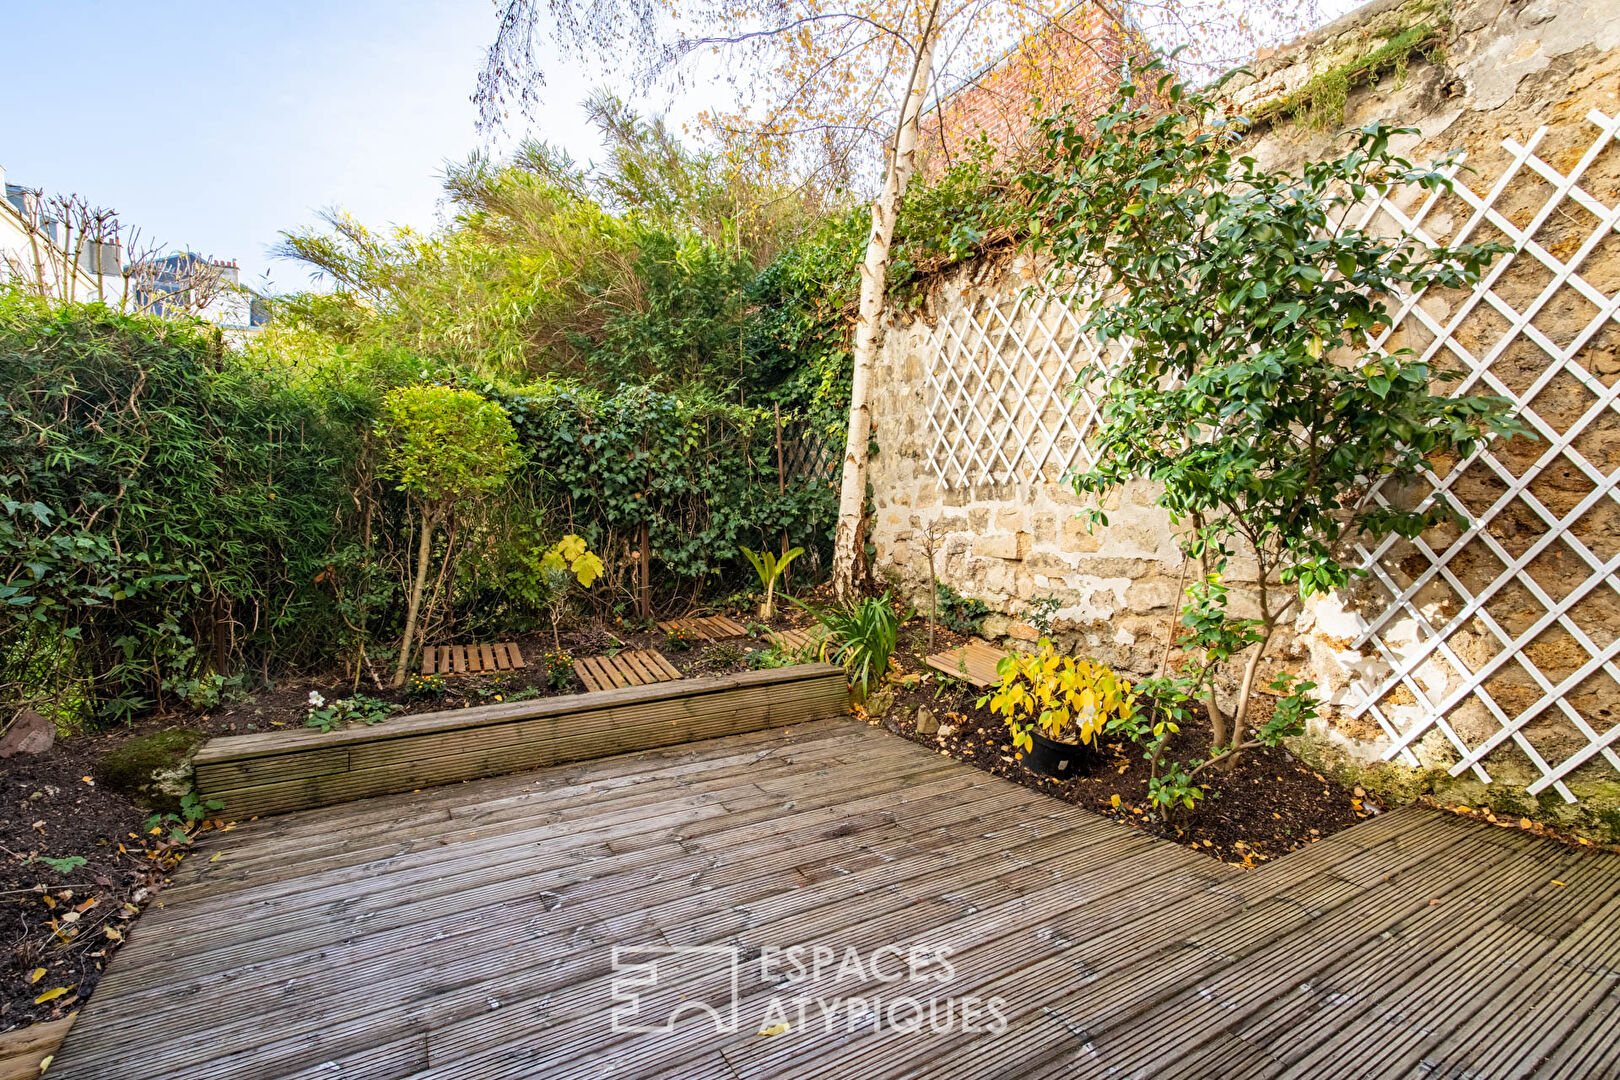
point(215, 125)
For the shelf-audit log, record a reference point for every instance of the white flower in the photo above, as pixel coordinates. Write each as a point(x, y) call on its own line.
point(315, 700)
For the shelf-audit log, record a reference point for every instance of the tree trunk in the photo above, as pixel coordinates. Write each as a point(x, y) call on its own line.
point(868, 328)
point(424, 548)
point(644, 595)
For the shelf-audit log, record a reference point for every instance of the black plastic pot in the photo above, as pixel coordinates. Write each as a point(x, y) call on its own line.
point(1059, 760)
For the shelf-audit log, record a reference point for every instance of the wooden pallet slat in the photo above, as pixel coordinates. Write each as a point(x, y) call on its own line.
point(476, 659)
point(709, 627)
point(976, 662)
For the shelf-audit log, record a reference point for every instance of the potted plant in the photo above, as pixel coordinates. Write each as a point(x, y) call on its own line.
point(1057, 706)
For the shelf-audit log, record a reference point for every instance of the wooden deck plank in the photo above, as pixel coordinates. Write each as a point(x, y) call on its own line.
point(22, 1050)
point(374, 937)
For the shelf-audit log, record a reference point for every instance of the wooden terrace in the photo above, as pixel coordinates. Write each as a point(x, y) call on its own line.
point(469, 931)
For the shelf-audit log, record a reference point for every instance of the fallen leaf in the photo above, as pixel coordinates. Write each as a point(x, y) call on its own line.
point(1113, 801)
point(1557, 882)
point(50, 995)
point(35, 975)
point(774, 1029)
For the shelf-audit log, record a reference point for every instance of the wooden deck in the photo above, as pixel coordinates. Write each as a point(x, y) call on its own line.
point(468, 932)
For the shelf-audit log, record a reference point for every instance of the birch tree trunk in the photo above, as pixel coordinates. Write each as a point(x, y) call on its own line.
point(868, 325)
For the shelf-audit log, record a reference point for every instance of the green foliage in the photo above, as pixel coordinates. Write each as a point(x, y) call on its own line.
point(154, 492)
point(963, 614)
point(679, 638)
point(862, 637)
point(699, 473)
point(1321, 101)
point(194, 810)
point(64, 865)
point(558, 665)
point(359, 708)
point(424, 687)
point(445, 445)
point(1040, 611)
point(1252, 393)
point(770, 568)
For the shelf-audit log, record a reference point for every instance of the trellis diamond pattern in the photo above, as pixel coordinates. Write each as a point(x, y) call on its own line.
point(1501, 635)
point(1003, 406)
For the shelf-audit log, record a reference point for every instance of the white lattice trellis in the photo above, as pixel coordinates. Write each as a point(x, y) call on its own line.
point(1000, 410)
point(1428, 668)
point(1001, 404)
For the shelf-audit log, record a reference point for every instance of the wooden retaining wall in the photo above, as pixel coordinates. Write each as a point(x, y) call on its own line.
point(274, 772)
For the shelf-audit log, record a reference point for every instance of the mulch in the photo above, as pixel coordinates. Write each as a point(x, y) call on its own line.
point(59, 927)
point(1269, 804)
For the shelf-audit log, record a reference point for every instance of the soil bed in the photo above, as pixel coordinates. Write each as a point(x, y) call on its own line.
point(59, 926)
point(1267, 805)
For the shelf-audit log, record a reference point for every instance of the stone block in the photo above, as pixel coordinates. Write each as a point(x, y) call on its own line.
point(1023, 631)
point(1012, 546)
point(1010, 519)
point(1074, 536)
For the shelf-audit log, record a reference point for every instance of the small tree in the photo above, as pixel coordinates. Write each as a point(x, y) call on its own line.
point(446, 449)
point(932, 533)
point(1253, 390)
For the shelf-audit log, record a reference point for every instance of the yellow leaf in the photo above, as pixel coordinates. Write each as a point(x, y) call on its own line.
point(50, 995)
point(35, 975)
point(1113, 800)
point(587, 568)
point(774, 1029)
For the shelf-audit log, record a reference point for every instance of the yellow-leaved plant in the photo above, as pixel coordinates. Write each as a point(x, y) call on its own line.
point(1068, 699)
point(571, 553)
point(569, 559)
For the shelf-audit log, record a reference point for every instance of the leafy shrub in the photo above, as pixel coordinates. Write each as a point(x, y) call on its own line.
point(863, 636)
point(679, 637)
point(194, 810)
point(1067, 699)
point(963, 614)
point(1253, 394)
point(446, 449)
point(168, 509)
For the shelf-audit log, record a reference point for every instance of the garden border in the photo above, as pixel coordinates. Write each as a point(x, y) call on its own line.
point(275, 772)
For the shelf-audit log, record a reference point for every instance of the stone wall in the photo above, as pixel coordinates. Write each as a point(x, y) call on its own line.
point(975, 429)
